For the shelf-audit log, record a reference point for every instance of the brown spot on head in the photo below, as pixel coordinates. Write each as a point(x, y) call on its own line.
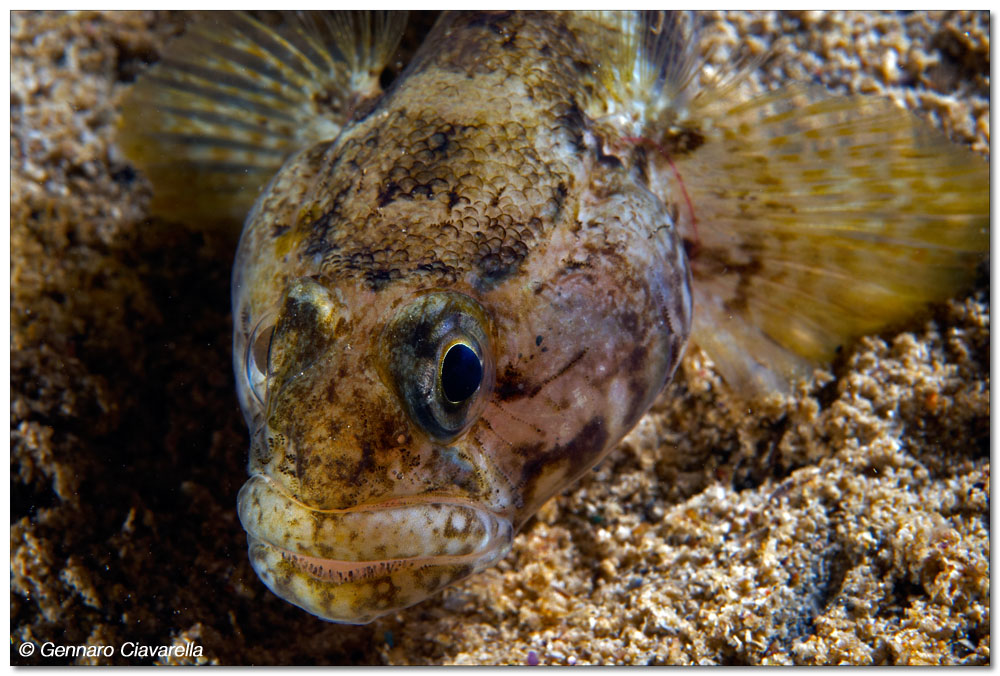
point(577, 455)
point(630, 322)
point(572, 123)
point(387, 193)
point(512, 384)
point(528, 450)
point(342, 328)
point(635, 361)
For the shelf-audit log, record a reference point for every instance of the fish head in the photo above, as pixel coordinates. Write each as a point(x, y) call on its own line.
point(364, 496)
point(402, 433)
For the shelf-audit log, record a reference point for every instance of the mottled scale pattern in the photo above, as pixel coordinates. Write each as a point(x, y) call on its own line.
point(454, 187)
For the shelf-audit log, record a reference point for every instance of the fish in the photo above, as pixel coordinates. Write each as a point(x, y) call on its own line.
point(462, 279)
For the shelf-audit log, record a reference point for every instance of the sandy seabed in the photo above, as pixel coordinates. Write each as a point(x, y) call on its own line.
point(848, 524)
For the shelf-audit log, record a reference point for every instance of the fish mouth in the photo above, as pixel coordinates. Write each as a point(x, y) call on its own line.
point(353, 565)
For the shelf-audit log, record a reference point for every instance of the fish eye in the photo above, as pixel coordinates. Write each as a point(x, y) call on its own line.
point(257, 358)
point(438, 359)
point(461, 373)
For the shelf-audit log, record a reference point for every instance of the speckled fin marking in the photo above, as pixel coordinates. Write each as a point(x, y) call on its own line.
point(819, 219)
point(237, 94)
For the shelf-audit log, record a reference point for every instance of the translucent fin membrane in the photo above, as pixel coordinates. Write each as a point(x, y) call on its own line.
point(651, 69)
point(236, 95)
point(820, 219)
point(648, 65)
point(813, 219)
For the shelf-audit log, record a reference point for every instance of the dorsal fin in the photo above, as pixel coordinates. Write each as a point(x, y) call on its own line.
point(237, 94)
point(651, 69)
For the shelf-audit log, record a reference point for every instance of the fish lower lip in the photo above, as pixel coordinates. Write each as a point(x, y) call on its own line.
point(354, 565)
point(392, 530)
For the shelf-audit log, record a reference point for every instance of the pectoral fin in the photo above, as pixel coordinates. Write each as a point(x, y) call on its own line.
point(818, 219)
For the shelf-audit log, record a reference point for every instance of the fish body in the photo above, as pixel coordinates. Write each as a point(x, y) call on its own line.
point(456, 295)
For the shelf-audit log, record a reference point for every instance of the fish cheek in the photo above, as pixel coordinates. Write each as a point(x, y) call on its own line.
point(603, 322)
point(302, 334)
point(330, 427)
point(351, 440)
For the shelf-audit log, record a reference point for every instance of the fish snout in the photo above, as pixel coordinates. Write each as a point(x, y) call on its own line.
point(353, 565)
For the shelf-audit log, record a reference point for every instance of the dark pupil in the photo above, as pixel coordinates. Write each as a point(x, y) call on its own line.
point(461, 373)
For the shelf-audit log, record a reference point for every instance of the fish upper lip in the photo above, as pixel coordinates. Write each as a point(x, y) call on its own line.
point(440, 528)
point(388, 503)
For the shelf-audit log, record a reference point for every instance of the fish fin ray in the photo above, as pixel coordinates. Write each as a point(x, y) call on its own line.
point(646, 57)
point(654, 71)
point(238, 93)
point(819, 219)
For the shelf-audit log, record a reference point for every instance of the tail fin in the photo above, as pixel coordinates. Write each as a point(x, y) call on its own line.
point(237, 94)
point(814, 219)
